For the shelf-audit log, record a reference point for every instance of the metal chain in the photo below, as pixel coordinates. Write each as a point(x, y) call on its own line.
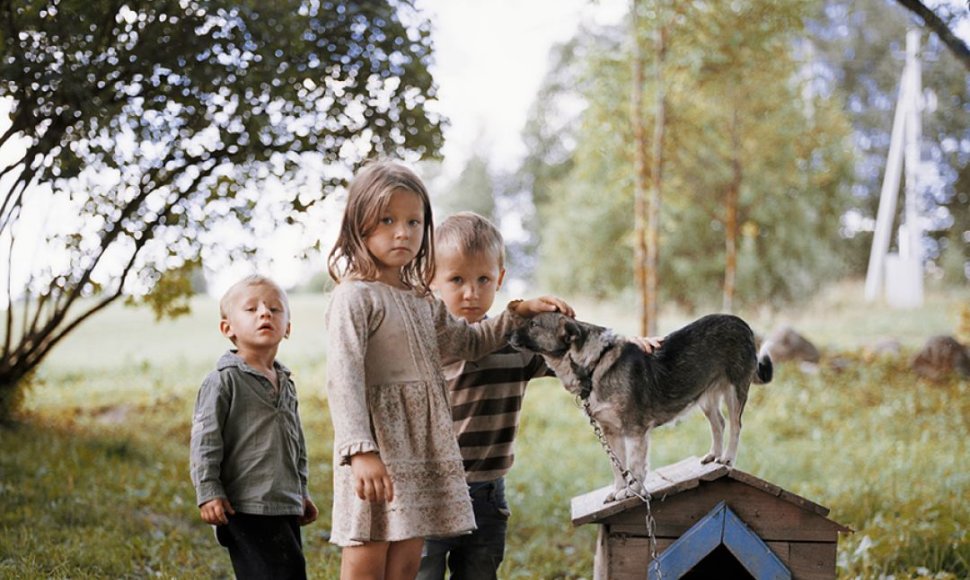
point(631, 482)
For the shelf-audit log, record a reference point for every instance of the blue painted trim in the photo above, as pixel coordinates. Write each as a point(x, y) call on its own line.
point(692, 547)
point(756, 557)
point(719, 526)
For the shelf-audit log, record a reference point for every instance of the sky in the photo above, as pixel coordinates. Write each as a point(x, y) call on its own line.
point(491, 58)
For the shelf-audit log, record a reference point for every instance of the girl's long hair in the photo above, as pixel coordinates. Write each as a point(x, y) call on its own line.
point(369, 194)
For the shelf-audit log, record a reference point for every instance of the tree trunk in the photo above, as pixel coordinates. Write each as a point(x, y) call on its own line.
point(640, 179)
point(656, 192)
point(730, 245)
point(10, 397)
point(731, 220)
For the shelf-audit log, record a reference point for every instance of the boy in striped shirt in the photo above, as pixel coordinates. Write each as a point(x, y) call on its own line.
point(486, 397)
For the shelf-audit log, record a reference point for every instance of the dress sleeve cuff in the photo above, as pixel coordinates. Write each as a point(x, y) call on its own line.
point(511, 310)
point(355, 448)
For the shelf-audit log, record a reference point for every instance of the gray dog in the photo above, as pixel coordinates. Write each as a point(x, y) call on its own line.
point(711, 360)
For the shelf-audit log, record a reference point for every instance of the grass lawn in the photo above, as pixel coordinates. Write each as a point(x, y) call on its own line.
point(94, 481)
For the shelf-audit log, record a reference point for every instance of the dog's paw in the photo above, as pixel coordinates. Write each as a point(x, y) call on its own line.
point(707, 458)
point(625, 493)
point(618, 495)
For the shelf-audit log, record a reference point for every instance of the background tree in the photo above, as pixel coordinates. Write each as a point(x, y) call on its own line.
point(942, 21)
point(146, 127)
point(592, 62)
point(746, 136)
point(860, 50)
point(647, 200)
point(549, 138)
point(473, 190)
point(770, 147)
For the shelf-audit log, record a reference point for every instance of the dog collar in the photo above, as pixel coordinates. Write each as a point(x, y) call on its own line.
point(584, 376)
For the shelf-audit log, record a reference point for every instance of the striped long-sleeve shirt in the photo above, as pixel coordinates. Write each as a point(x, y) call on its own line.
point(486, 398)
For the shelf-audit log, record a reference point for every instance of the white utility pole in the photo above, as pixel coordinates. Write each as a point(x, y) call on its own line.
point(902, 273)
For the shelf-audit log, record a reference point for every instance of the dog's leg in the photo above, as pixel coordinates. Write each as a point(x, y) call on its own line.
point(735, 399)
point(637, 461)
point(710, 404)
point(618, 446)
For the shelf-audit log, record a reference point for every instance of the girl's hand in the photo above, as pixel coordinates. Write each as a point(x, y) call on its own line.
point(529, 308)
point(214, 511)
point(372, 482)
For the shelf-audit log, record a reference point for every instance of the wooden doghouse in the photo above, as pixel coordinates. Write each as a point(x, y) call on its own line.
point(709, 516)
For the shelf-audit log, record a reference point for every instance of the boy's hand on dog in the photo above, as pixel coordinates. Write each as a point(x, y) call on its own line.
point(214, 511)
point(372, 482)
point(648, 344)
point(529, 308)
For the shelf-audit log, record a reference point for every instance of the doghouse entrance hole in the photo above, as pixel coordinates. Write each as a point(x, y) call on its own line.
point(718, 564)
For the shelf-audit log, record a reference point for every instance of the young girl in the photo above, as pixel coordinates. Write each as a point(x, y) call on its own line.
point(398, 473)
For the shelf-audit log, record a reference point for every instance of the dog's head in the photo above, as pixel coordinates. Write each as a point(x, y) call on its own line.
point(550, 334)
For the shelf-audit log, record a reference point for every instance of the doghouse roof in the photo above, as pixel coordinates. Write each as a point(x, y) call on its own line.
point(677, 478)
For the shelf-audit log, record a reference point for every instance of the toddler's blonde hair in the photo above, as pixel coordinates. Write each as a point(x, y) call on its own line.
point(225, 303)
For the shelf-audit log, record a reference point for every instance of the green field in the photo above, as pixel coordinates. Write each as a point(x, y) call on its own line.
point(94, 480)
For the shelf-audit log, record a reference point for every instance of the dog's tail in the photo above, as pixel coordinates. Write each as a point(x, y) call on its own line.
point(765, 368)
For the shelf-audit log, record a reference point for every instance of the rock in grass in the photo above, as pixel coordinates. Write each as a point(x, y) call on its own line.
point(940, 357)
point(785, 344)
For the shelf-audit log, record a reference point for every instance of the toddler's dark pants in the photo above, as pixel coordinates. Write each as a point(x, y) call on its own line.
point(264, 547)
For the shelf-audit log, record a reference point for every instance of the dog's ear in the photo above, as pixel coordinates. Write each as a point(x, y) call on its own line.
point(571, 332)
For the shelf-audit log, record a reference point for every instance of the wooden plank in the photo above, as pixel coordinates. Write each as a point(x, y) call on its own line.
point(781, 549)
point(629, 558)
point(779, 492)
point(592, 506)
point(691, 469)
point(809, 505)
point(601, 559)
point(757, 482)
point(751, 551)
point(692, 547)
point(772, 518)
point(639, 529)
point(679, 477)
point(664, 482)
point(813, 560)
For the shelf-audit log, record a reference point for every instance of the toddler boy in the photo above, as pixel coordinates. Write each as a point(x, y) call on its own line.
point(248, 456)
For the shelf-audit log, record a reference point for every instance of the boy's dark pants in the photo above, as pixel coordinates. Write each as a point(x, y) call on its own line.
point(474, 556)
point(264, 546)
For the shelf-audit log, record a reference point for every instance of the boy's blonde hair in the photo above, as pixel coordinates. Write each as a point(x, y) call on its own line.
point(369, 194)
point(470, 234)
point(225, 303)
